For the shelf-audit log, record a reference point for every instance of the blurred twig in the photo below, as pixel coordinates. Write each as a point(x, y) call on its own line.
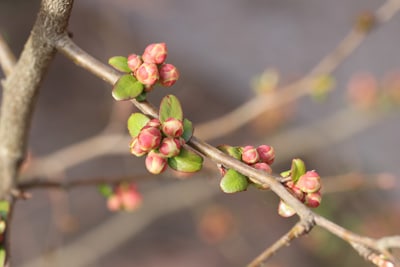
point(256, 106)
point(7, 58)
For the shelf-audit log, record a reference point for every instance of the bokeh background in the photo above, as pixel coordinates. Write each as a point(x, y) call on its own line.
point(219, 47)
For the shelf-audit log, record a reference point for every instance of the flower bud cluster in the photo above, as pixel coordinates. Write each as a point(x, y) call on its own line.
point(159, 141)
point(307, 189)
point(125, 197)
point(150, 67)
point(260, 157)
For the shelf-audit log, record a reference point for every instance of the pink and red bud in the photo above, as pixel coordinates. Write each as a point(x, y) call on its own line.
point(310, 182)
point(313, 200)
point(170, 147)
point(266, 153)
point(147, 74)
point(149, 138)
point(172, 127)
point(135, 148)
point(125, 197)
point(168, 74)
point(134, 62)
point(263, 166)
point(154, 123)
point(250, 155)
point(155, 162)
point(155, 53)
point(297, 192)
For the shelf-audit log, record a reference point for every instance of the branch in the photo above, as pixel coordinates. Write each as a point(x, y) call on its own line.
point(72, 51)
point(297, 230)
point(255, 107)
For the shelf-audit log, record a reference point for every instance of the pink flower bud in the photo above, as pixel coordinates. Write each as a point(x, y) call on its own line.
point(170, 147)
point(172, 127)
point(147, 73)
point(155, 162)
point(250, 155)
point(155, 53)
point(149, 138)
point(295, 191)
point(168, 74)
point(135, 148)
point(134, 62)
point(285, 210)
point(309, 182)
point(267, 154)
point(114, 203)
point(313, 200)
point(130, 198)
point(263, 166)
point(154, 123)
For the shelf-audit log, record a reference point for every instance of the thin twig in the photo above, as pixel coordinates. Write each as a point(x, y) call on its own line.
point(258, 105)
point(296, 231)
point(7, 58)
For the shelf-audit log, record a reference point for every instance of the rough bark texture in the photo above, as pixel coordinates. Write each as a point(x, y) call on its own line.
point(21, 87)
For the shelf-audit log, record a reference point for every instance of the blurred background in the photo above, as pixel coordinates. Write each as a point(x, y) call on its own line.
point(221, 48)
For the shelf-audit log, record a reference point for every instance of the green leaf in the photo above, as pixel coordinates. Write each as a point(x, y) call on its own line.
point(298, 169)
point(186, 161)
point(142, 97)
point(2, 256)
point(285, 174)
point(233, 182)
point(232, 151)
point(120, 63)
point(4, 209)
point(170, 107)
point(105, 190)
point(187, 130)
point(127, 87)
point(136, 122)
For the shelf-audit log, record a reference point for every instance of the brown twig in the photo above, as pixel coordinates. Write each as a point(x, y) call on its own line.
point(299, 229)
point(256, 106)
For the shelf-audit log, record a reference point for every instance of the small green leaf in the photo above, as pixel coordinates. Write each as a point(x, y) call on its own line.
point(2, 256)
point(233, 182)
point(136, 122)
point(142, 97)
point(170, 107)
point(232, 151)
point(285, 174)
point(127, 87)
point(120, 63)
point(186, 161)
point(105, 190)
point(187, 130)
point(298, 169)
point(4, 209)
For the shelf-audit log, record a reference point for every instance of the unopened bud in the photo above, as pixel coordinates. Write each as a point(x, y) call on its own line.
point(168, 74)
point(263, 166)
point(155, 162)
point(250, 155)
point(313, 200)
point(130, 198)
point(147, 74)
point(149, 138)
point(154, 123)
point(155, 53)
point(285, 210)
point(134, 62)
point(297, 192)
point(309, 182)
point(114, 203)
point(172, 127)
point(170, 147)
point(267, 154)
point(135, 148)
